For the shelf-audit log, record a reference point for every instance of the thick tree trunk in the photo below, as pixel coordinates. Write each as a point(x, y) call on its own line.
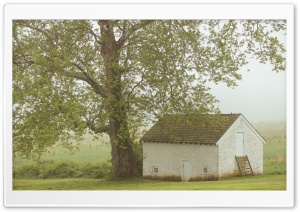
point(123, 157)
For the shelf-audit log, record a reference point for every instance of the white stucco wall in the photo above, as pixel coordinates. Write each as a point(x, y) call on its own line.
point(168, 158)
point(253, 148)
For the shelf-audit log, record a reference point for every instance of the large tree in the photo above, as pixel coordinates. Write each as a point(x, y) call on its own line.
point(113, 76)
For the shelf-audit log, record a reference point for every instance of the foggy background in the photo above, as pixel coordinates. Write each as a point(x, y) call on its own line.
point(260, 96)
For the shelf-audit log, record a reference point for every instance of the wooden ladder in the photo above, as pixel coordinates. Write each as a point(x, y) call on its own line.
point(244, 165)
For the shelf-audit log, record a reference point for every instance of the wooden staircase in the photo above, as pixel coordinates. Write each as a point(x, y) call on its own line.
point(244, 165)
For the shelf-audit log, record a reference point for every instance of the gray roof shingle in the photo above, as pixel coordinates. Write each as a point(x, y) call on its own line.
point(198, 129)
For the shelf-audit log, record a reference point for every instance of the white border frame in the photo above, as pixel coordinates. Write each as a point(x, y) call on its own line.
point(147, 198)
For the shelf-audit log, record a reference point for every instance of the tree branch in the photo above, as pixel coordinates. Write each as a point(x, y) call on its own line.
point(84, 77)
point(80, 76)
point(134, 87)
point(44, 32)
point(97, 130)
point(94, 35)
point(127, 33)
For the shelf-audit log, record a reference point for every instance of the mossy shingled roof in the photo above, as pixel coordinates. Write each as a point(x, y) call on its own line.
point(198, 129)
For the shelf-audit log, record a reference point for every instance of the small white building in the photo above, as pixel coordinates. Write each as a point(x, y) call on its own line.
point(202, 148)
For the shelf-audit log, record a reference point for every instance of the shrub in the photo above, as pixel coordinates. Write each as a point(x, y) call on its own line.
point(47, 161)
point(60, 169)
point(104, 170)
point(27, 171)
point(63, 169)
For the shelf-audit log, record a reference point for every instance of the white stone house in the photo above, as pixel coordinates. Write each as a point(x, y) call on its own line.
point(200, 147)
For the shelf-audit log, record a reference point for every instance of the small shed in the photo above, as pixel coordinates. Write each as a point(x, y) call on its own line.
point(202, 147)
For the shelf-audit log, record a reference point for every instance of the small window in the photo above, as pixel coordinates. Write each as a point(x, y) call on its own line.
point(205, 170)
point(155, 170)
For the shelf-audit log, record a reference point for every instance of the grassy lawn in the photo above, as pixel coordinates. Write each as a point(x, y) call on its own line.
point(88, 151)
point(275, 158)
point(264, 182)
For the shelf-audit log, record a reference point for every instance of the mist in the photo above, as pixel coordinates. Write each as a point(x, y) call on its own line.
point(260, 96)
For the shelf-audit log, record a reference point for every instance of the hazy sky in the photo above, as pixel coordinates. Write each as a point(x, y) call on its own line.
point(259, 96)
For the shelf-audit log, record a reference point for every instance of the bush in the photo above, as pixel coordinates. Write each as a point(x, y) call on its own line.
point(27, 171)
point(63, 169)
point(104, 170)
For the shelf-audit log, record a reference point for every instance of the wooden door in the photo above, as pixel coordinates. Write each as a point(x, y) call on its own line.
point(239, 144)
point(186, 171)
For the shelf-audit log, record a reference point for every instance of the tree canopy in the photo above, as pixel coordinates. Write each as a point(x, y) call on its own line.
point(113, 76)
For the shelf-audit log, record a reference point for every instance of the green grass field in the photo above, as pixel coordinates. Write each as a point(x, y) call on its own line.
point(95, 151)
point(275, 148)
point(274, 177)
point(264, 182)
